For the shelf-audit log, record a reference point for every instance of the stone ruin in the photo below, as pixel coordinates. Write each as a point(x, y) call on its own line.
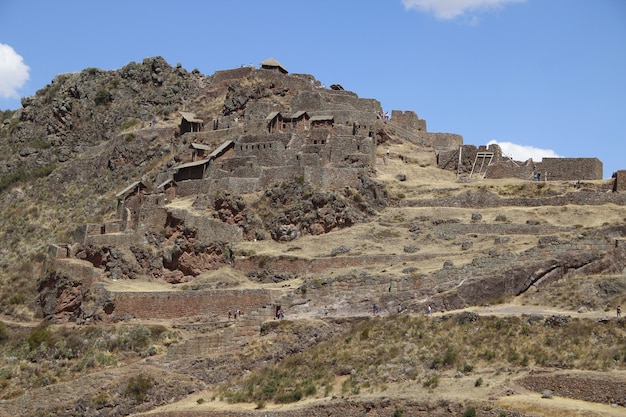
point(326, 137)
point(489, 162)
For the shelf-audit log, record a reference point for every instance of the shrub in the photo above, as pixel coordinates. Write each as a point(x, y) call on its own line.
point(470, 412)
point(127, 124)
point(449, 358)
point(139, 337)
point(489, 354)
point(431, 382)
point(4, 333)
point(138, 387)
point(39, 336)
point(21, 175)
point(365, 334)
point(289, 397)
point(398, 412)
point(17, 299)
point(478, 382)
point(102, 399)
point(103, 96)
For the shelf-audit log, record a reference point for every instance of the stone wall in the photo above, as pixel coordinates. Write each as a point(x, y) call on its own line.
point(571, 168)
point(122, 239)
point(207, 228)
point(232, 74)
point(79, 270)
point(408, 120)
point(555, 169)
point(60, 251)
point(211, 137)
point(300, 266)
point(152, 216)
point(193, 187)
point(619, 183)
point(236, 185)
point(187, 303)
point(443, 141)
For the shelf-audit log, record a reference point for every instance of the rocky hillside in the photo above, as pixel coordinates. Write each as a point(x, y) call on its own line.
point(522, 277)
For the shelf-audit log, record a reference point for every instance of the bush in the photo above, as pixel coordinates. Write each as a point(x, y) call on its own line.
point(489, 354)
point(39, 336)
point(17, 299)
point(138, 387)
point(103, 96)
point(470, 412)
point(431, 382)
point(127, 124)
point(139, 338)
point(4, 333)
point(22, 175)
point(449, 358)
point(365, 334)
point(289, 397)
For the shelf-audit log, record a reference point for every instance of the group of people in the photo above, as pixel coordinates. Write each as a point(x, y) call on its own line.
point(234, 314)
point(383, 116)
point(537, 175)
point(280, 313)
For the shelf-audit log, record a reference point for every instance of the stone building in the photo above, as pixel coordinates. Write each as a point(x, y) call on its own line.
point(129, 202)
point(190, 123)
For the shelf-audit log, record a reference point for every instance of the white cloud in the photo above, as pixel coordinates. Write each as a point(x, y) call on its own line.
point(523, 152)
point(451, 9)
point(13, 72)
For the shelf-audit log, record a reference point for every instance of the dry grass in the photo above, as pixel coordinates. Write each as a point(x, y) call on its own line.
point(380, 353)
point(533, 404)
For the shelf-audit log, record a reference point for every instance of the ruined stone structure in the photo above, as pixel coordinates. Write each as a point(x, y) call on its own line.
point(326, 137)
point(409, 126)
point(489, 162)
point(620, 181)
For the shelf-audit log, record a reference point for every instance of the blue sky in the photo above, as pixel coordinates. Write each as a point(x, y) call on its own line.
point(540, 77)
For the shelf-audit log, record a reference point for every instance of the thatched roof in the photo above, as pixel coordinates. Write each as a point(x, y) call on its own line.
point(192, 164)
point(137, 185)
point(190, 117)
point(200, 146)
point(322, 118)
point(271, 63)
